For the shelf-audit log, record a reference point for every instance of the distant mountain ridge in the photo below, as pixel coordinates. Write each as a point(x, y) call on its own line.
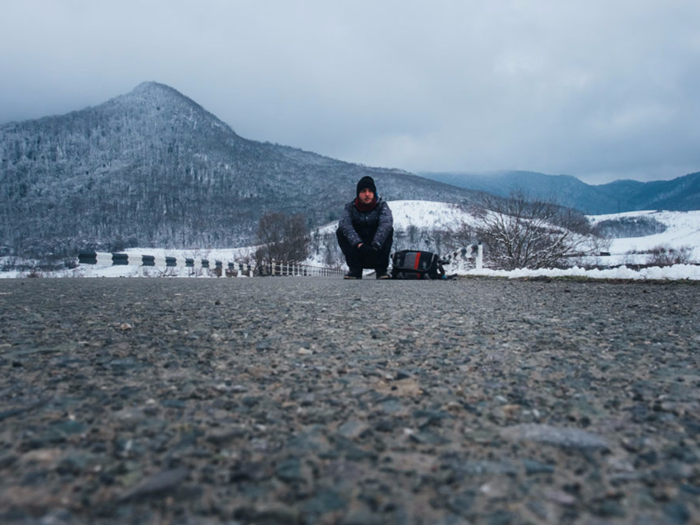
point(679, 194)
point(153, 168)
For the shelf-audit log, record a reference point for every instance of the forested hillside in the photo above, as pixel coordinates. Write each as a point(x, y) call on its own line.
point(153, 168)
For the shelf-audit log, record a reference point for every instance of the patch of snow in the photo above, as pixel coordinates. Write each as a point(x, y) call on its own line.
point(675, 272)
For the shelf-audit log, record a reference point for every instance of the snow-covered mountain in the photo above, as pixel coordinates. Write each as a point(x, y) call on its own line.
point(153, 167)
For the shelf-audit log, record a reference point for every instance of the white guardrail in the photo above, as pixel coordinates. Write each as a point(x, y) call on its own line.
point(467, 258)
point(216, 267)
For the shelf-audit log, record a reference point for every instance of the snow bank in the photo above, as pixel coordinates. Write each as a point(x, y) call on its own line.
point(675, 272)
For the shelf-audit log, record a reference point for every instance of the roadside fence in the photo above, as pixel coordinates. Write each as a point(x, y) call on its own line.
point(200, 265)
point(467, 258)
point(280, 268)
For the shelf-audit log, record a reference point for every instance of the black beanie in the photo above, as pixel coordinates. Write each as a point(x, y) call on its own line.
point(366, 182)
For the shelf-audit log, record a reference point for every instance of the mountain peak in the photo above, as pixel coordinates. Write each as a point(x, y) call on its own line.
point(155, 101)
point(155, 94)
point(155, 88)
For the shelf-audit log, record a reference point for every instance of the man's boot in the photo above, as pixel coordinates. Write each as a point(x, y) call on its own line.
point(382, 274)
point(354, 273)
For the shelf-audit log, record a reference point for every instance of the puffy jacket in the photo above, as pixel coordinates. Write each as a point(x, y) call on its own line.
point(367, 227)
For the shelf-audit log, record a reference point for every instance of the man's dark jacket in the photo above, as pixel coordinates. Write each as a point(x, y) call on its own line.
point(367, 227)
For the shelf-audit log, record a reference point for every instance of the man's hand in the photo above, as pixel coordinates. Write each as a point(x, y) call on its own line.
point(366, 249)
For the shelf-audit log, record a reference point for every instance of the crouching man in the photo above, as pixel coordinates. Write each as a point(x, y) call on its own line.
point(366, 232)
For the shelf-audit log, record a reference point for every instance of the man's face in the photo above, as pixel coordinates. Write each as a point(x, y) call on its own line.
point(366, 196)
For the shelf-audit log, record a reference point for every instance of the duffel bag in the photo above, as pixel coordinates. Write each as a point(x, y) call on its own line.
point(412, 264)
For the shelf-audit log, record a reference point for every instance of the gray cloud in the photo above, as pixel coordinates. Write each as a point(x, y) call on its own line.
point(599, 90)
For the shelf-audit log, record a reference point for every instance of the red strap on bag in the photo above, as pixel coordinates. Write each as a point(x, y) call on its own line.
point(417, 263)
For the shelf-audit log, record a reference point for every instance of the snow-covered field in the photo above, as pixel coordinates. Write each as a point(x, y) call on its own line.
point(683, 230)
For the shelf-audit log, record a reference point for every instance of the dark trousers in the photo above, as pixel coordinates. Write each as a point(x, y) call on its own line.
point(357, 260)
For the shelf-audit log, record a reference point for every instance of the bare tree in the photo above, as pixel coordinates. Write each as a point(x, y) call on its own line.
point(520, 233)
point(412, 233)
point(462, 234)
point(282, 238)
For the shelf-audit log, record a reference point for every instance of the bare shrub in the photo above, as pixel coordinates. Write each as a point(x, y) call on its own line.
point(664, 255)
point(8, 263)
point(282, 238)
point(463, 234)
point(170, 271)
point(34, 273)
point(521, 233)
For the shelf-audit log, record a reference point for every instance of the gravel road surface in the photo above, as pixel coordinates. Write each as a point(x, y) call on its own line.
point(321, 401)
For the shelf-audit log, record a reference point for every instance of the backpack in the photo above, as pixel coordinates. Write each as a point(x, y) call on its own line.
point(411, 264)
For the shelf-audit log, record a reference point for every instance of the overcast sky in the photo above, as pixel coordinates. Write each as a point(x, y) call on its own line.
point(598, 89)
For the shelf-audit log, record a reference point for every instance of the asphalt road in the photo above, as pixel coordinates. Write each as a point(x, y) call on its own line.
point(318, 400)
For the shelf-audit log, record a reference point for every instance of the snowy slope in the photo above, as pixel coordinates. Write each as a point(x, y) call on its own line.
point(421, 214)
point(683, 229)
